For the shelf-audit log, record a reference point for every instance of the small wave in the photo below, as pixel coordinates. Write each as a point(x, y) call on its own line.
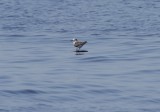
point(107, 59)
point(152, 71)
point(25, 91)
point(13, 35)
point(4, 110)
point(96, 59)
point(146, 35)
point(19, 28)
point(4, 77)
point(96, 34)
point(104, 91)
point(31, 61)
point(154, 101)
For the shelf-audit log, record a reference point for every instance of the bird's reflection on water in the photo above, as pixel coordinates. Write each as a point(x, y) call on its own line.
point(81, 52)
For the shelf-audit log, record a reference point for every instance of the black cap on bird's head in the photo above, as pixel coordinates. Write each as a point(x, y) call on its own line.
point(74, 39)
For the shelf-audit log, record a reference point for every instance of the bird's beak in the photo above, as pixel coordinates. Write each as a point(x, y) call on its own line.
point(71, 40)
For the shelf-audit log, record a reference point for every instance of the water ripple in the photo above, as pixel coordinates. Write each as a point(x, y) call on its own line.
point(4, 110)
point(108, 59)
point(25, 91)
point(105, 91)
point(95, 59)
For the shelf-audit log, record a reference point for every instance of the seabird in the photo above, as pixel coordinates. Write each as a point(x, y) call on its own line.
point(78, 44)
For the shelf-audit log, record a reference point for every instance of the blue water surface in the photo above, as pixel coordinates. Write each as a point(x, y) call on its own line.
point(39, 72)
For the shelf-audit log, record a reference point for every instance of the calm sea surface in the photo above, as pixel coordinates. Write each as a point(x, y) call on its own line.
point(39, 72)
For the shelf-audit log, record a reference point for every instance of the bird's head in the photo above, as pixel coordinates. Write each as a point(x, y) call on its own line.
point(74, 39)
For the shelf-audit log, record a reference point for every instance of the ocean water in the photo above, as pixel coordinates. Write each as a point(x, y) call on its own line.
point(39, 72)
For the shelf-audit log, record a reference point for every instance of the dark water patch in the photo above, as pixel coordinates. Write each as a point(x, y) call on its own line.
point(25, 91)
point(147, 35)
point(4, 110)
point(39, 39)
point(29, 83)
point(147, 50)
point(60, 87)
point(109, 30)
point(13, 16)
point(76, 86)
point(62, 31)
point(89, 85)
point(40, 107)
point(67, 87)
point(69, 98)
point(107, 59)
point(122, 35)
point(149, 109)
point(154, 57)
point(129, 43)
point(24, 109)
point(139, 39)
point(110, 39)
point(95, 59)
point(20, 38)
point(95, 34)
point(31, 61)
point(40, 35)
point(104, 75)
point(5, 80)
point(152, 101)
point(13, 35)
point(13, 28)
point(154, 71)
point(138, 97)
point(104, 91)
point(4, 77)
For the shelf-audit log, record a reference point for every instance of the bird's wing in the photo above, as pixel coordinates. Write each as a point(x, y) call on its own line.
point(78, 43)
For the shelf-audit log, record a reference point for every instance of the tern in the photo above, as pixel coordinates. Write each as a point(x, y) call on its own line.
point(78, 44)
